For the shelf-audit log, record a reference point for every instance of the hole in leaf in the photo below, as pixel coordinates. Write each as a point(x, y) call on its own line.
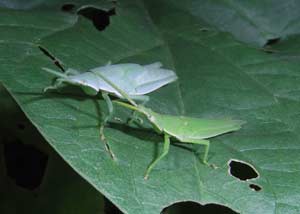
point(273, 41)
point(100, 18)
point(255, 187)
point(24, 164)
point(55, 61)
point(242, 170)
point(195, 208)
point(68, 7)
point(267, 47)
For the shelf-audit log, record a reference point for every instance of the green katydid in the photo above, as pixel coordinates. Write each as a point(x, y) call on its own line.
point(185, 129)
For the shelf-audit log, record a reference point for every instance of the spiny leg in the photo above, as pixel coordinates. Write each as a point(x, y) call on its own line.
point(164, 152)
point(106, 118)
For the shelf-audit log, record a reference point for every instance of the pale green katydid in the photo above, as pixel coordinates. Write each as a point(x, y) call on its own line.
point(136, 80)
point(185, 129)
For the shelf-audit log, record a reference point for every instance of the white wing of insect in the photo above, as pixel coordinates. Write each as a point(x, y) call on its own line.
point(134, 79)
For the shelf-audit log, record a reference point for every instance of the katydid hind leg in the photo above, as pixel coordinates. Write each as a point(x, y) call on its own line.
point(165, 151)
point(205, 143)
point(106, 118)
point(109, 106)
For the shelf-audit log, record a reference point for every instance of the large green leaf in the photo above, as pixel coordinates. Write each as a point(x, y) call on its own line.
point(254, 22)
point(33, 178)
point(218, 77)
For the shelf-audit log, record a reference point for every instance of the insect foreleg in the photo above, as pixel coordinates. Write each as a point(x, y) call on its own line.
point(135, 118)
point(164, 152)
point(55, 86)
point(144, 99)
